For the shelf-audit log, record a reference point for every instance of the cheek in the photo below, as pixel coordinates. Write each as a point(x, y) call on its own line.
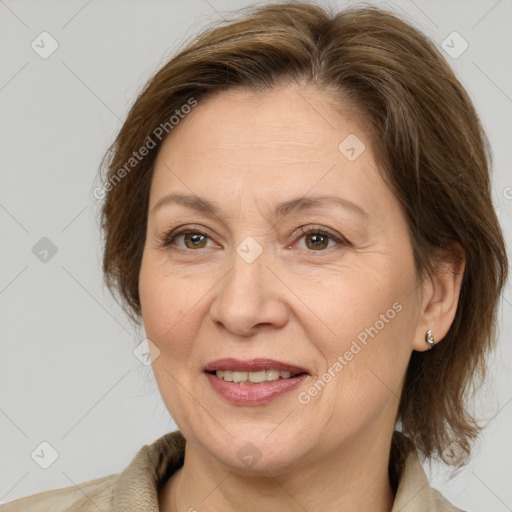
point(367, 380)
point(164, 305)
point(374, 375)
point(173, 308)
point(165, 297)
point(371, 320)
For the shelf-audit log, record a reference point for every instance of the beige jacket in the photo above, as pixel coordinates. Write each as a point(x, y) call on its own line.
point(135, 489)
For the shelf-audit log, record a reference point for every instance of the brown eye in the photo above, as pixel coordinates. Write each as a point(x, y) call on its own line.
point(191, 239)
point(317, 241)
point(194, 240)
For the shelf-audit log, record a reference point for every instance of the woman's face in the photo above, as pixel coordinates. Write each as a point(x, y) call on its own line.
point(247, 283)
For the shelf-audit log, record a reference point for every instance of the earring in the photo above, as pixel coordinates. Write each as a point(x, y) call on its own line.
point(429, 338)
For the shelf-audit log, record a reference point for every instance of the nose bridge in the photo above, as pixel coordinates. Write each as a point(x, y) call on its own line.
point(248, 296)
point(250, 260)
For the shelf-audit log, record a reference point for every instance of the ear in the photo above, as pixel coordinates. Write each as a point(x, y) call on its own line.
point(440, 298)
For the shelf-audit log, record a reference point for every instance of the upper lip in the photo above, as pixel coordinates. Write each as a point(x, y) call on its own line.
point(252, 365)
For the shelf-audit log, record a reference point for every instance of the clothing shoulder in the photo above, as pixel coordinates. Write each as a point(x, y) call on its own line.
point(90, 496)
point(414, 492)
point(442, 503)
point(132, 490)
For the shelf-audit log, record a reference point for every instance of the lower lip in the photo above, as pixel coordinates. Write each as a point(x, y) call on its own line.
point(254, 394)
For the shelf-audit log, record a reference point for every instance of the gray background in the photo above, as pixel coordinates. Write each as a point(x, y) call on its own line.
point(68, 375)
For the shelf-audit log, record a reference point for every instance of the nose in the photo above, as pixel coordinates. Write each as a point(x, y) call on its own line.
point(250, 298)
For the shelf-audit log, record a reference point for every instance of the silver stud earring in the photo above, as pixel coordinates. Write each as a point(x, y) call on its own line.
point(429, 338)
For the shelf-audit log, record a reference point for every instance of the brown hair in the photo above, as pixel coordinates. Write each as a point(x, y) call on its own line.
point(427, 138)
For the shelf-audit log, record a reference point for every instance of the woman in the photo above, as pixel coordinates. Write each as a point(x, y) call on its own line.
point(298, 208)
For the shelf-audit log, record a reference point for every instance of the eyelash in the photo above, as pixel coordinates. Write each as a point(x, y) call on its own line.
point(169, 237)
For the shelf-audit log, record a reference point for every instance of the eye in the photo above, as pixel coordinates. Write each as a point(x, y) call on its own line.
point(192, 238)
point(317, 238)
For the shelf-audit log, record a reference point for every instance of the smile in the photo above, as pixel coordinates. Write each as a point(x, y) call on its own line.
point(253, 377)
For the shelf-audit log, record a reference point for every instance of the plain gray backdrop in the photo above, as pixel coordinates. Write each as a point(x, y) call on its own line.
point(68, 374)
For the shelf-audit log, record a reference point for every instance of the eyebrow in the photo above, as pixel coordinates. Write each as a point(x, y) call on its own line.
point(298, 204)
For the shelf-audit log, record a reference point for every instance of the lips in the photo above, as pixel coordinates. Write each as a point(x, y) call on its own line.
point(253, 365)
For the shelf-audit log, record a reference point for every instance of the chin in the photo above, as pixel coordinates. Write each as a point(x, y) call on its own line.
point(258, 454)
point(261, 465)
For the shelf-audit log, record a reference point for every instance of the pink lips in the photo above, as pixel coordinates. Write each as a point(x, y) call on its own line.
point(253, 394)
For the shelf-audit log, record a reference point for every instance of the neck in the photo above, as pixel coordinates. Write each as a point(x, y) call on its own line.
point(352, 477)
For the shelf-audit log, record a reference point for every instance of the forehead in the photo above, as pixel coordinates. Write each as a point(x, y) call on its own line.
point(286, 140)
point(283, 120)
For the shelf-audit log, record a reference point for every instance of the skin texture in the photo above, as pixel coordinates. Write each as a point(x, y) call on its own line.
point(296, 303)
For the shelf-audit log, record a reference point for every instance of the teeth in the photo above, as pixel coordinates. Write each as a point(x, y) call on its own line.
point(239, 376)
point(272, 374)
point(252, 377)
point(257, 376)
